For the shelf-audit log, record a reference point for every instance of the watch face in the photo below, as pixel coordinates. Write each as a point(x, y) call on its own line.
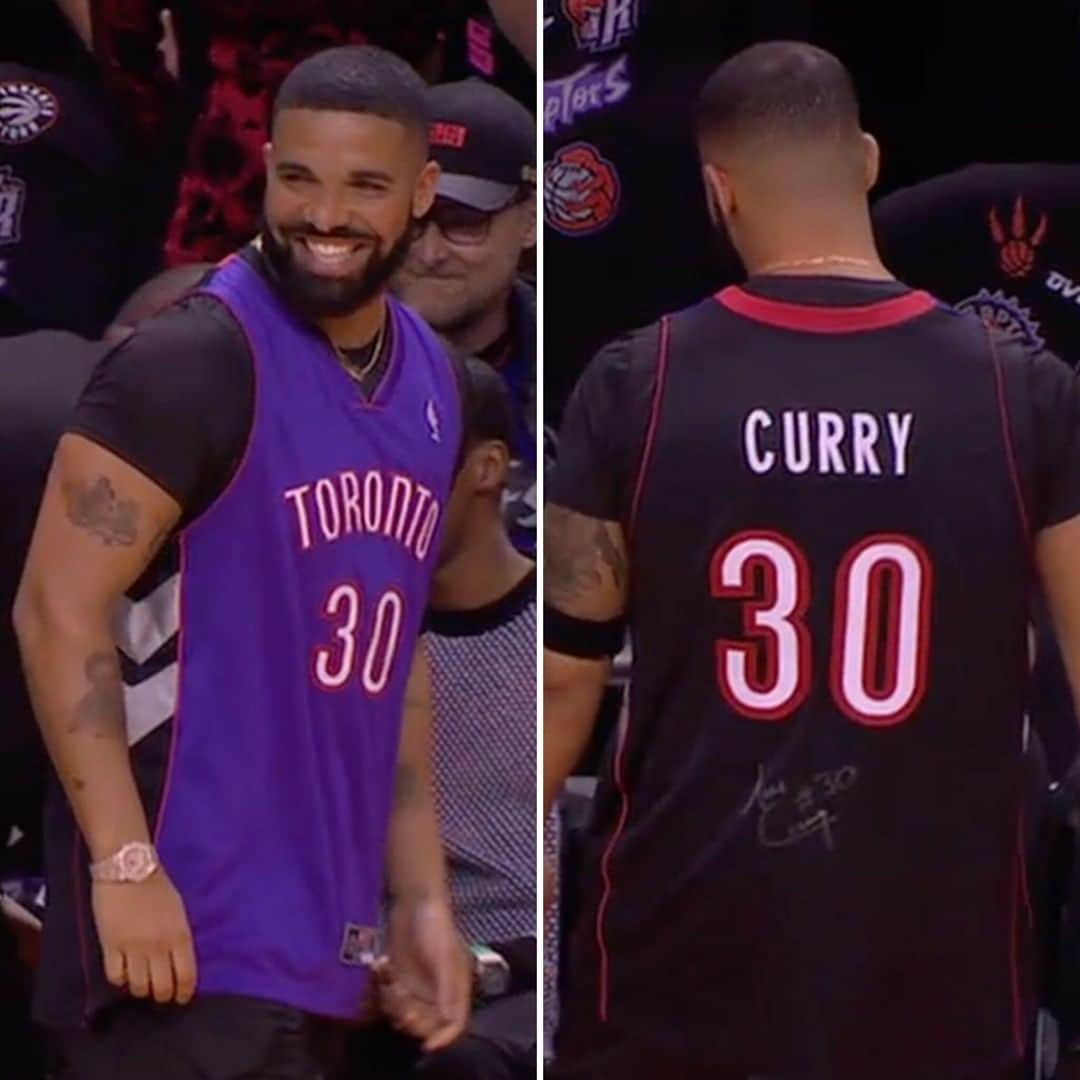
point(136, 863)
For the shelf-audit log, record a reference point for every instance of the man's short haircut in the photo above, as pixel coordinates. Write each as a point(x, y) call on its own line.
point(359, 79)
point(488, 411)
point(779, 89)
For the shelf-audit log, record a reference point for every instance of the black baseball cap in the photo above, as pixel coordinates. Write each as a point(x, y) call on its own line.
point(485, 142)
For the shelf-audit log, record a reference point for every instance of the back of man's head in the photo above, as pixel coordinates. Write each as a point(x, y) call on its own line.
point(153, 297)
point(488, 410)
point(788, 109)
point(474, 507)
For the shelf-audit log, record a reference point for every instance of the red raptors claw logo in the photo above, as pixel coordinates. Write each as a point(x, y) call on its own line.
point(581, 190)
point(1017, 256)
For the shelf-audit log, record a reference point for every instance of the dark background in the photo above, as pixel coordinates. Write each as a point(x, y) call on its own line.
point(944, 85)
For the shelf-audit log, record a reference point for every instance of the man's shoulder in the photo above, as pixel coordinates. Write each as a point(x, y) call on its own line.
point(1016, 355)
point(983, 185)
point(200, 321)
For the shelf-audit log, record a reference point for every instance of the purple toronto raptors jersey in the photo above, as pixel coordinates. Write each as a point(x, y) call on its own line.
point(302, 590)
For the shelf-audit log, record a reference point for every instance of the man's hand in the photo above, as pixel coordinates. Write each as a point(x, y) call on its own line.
point(145, 938)
point(427, 989)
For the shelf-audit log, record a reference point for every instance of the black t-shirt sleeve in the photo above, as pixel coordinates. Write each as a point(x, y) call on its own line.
point(175, 401)
point(1054, 393)
point(603, 429)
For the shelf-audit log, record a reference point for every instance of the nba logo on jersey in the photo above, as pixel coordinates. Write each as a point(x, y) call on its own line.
point(359, 945)
point(431, 415)
point(600, 25)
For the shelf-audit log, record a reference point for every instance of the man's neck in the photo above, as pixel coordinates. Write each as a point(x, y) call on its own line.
point(358, 328)
point(847, 249)
point(486, 569)
point(485, 330)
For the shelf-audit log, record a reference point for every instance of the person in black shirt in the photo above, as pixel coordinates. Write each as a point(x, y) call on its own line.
point(462, 272)
point(42, 375)
point(1000, 241)
point(813, 498)
point(481, 639)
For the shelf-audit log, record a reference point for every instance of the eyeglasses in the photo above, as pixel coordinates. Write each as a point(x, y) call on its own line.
point(465, 225)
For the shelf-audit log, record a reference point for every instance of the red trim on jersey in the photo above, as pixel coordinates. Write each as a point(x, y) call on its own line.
point(1006, 432)
point(1021, 848)
point(174, 735)
point(605, 862)
point(822, 319)
point(663, 350)
point(654, 417)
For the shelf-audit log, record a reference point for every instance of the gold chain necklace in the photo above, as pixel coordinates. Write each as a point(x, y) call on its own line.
point(376, 355)
point(376, 352)
point(821, 260)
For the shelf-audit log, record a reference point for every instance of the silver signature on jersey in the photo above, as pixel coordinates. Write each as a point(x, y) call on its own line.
point(793, 812)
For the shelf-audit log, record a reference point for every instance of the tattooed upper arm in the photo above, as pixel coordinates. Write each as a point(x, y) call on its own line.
point(93, 505)
point(585, 565)
point(100, 525)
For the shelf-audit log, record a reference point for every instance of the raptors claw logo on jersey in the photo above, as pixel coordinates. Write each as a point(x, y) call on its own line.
point(581, 190)
point(1017, 255)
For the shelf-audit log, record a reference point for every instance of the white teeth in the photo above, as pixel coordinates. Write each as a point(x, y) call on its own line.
point(330, 252)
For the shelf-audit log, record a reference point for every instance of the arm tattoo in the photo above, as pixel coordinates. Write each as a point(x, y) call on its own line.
point(100, 711)
point(406, 786)
point(578, 555)
point(96, 508)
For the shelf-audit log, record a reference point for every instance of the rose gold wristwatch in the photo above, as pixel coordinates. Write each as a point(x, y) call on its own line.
point(132, 863)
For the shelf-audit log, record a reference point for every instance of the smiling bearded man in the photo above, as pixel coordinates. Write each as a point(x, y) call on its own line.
point(255, 482)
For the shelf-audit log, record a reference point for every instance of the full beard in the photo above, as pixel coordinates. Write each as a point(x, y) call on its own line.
point(320, 297)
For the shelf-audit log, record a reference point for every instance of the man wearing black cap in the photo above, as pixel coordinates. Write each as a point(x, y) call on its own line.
point(462, 273)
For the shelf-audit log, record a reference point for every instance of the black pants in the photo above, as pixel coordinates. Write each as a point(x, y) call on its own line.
point(213, 1038)
point(600, 1052)
point(500, 1044)
point(20, 1049)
